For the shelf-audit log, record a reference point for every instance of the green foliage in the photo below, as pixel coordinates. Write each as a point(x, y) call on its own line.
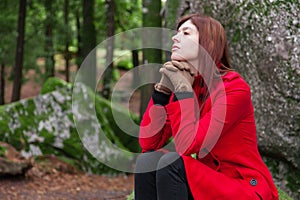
point(34, 34)
point(130, 196)
point(283, 195)
point(8, 21)
point(53, 84)
point(128, 14)
point(115, 74)
point(285, 173)
point(125, 64)
point(2, 151)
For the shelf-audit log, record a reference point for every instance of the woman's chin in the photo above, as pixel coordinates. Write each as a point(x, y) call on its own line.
point(177, 57)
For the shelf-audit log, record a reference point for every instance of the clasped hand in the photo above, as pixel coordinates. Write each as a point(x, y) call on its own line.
point(176, 76)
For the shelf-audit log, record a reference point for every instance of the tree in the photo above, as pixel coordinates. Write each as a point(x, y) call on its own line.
point(89, 42)
point(66, 51)
point(151, 18)
point(2, 84)
point(19, 51)
point(78, 36)
point(110, 27)
point(170, 16)
point(128, 15)
point(8, 21)
point(49, 50)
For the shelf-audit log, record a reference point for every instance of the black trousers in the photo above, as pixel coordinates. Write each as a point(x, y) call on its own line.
point(160, 176)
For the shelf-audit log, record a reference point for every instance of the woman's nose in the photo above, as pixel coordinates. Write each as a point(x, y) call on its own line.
point(176, 38)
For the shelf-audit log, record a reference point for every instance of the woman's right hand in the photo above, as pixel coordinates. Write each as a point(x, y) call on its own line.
point(181, 80)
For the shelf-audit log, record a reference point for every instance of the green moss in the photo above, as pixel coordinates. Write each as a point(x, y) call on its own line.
point(128, 141)
point(285, 175)
point(53, 84)
point(283, 195)
point(125, 64)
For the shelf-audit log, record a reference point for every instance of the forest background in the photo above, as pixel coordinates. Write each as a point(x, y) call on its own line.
point(44, 43)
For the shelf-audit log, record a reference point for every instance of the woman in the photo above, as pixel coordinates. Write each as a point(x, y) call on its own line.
point(209, 114)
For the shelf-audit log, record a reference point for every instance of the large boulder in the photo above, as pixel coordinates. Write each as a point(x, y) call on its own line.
point(264, 48)
point(44, 125)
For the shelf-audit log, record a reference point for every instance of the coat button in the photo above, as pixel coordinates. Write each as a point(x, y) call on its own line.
point(253, 182)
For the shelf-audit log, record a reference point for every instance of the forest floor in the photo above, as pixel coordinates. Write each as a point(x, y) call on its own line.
point(49, 182)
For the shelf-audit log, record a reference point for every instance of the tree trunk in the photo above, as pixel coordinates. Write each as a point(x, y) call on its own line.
point(88, 44)
point(67, 53)
point(170, 18)
point(49, 65)
point(151, 18)
point(135, 62)
point(79, 42)
point(2, 84)
point(19, 52)
point(108, 74)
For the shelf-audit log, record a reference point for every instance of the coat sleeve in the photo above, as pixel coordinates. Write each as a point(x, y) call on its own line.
point(155, 129)
point(193, 133)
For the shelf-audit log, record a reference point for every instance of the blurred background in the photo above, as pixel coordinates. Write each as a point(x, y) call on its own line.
point(43, 44)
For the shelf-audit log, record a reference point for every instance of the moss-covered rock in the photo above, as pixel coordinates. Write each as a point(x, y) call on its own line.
point(45, 125)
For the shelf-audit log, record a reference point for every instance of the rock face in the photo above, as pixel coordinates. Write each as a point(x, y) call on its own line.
point(12, 162)
point(45, 125)
point(264, 48)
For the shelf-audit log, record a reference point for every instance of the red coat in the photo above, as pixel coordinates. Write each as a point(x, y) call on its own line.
point(227, 168)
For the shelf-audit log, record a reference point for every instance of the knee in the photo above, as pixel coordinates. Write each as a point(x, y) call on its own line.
point(147, 162)
point(168, 159)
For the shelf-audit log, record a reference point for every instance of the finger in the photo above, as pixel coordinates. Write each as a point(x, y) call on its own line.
point(187, 66)
point(168, 63)
point(171, 68)
point(166, 71)
point(181, 65)
point(177, 64)
point(188, 74)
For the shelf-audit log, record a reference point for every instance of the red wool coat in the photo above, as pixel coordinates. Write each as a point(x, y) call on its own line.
point(229, 165)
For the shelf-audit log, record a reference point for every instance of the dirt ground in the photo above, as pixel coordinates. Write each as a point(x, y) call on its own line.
point(48, 183)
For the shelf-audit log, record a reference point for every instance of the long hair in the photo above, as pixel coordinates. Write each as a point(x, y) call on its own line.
point(213, 52)
point(212, 38)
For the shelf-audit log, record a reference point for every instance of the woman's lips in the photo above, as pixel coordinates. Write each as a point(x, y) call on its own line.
point(174, 47)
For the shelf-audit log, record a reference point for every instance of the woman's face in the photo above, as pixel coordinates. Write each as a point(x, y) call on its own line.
point(185, 43)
